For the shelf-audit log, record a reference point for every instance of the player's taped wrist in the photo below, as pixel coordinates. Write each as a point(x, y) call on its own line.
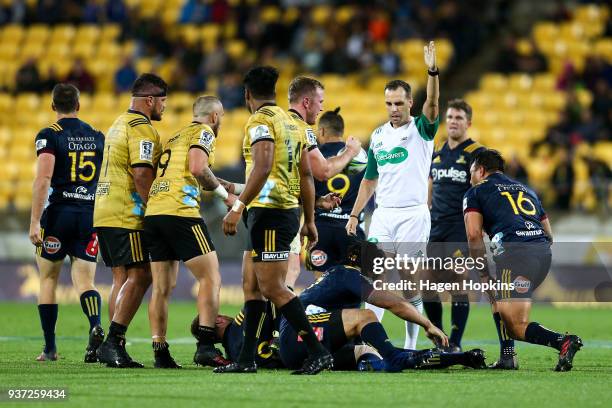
point(433, 72)
point(221, 192)
point(238, 188)
point(238, 206)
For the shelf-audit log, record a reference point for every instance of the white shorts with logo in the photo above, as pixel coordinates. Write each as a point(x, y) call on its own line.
point(404, 231)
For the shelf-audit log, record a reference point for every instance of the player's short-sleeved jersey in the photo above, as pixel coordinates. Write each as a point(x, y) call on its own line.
point(282, 188)
point(347, 185)
point(450, 173)
point(78, 150)
point(511, 212)
point(175, 190)
point(234, 336)
point(307, 131)
point(341, 287)
point(130, 142)
point(400, 159)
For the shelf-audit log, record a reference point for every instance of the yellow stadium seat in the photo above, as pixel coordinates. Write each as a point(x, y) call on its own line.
point(103, 102)
point(110, 32)
point(32, 50)
point(83, 50)
point(9, 50)
point(190, 33)
point(170, 15)
point(269, 14)
point(544, 82)
point(494, 82)
point(144, 65)
point(57, 51)
point(88, 33)
point(108, 51)
point(13, 33)
point(236, 48)
point(62, 33)
point(27, 102)
point(520, 82)
point(37, 33)
point(291, 15)
point(320, 14)
point(603, 48)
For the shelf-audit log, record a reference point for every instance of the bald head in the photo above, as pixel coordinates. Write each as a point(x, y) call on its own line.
point(209, 110)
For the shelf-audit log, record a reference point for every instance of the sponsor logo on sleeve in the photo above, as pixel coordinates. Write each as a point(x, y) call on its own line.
point(311, 137)
point(146, 150)
point(259, 132)
point(206, 139)
point(41, 144)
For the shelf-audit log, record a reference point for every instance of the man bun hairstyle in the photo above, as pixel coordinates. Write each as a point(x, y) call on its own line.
point(332, 121)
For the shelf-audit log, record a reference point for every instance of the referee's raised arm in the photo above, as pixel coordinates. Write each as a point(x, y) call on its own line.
point(431, 107)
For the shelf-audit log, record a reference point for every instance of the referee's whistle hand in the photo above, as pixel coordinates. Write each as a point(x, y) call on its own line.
point(230, 221)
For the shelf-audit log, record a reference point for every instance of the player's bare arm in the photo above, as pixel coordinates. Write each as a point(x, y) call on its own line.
point(430, 107)
point(143, 178)
point(324, 169)
point(366, 190)
point(199, 167)
point(329, 201)
point(547, 228)
point(263, 159)
point(405, 311)
point(429, 192)
point(42, 181)
point(307, 194)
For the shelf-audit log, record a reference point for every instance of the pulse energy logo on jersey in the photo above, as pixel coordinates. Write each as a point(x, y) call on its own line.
point(451, 173)
point(395, 156)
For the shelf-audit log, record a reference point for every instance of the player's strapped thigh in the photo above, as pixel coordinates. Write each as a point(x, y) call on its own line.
point(271, 232)
point(172, 237)
point(121, 246)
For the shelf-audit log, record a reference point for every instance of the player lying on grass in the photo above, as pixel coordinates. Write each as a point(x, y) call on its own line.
point(338, 331)
point(521, 236)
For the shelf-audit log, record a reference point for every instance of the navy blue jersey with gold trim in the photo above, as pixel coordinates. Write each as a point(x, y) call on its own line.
point(78, 150)
point(450, 172)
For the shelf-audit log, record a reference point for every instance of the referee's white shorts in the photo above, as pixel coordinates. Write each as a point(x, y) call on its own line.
point(403, 231)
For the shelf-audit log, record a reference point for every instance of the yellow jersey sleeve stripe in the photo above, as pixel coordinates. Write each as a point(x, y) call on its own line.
point(472, 147)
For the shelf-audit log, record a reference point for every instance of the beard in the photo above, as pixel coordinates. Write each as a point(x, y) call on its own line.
point(156, 116)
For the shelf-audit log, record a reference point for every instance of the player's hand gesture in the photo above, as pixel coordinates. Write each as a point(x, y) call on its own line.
point(309, 230)
point(353, 145)
point(230, 222)
point(429, 52)
point(437, 336)
point(35, 235)
point(328, 202)
point(351, 226)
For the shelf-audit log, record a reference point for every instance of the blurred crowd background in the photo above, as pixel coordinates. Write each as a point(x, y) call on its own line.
point(538, 75)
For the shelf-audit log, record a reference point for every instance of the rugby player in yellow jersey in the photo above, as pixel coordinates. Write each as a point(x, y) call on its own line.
point(175, 230)
point(277, 175)
point(131, 153)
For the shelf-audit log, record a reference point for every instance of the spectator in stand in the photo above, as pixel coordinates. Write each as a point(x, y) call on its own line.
point(390, 62)
point(125, 76)
point(50, 80)
point(231, 91)
point(600, 176)
point(216, 62)
point(80, 77)
point(116, 12)
point(563, 181)
point(27, 78)
point(515, 170)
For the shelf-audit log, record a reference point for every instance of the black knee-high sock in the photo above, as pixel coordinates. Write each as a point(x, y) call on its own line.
point(48, 319)
point(536, 334)
point(254, 313)
point(506, 343)
point(460, 309)
point(206, 335)
point(91, 303)
point(296, 316)
point(433, 308)
point(375, 335)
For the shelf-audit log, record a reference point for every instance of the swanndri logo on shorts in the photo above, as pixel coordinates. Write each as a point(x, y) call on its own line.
point(275, 256)
point(396, 155)
point(52, 245)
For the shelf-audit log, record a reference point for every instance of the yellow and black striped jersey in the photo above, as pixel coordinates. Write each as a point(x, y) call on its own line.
point(307, 130)
point(282, 188)
point(175, 190)
point(130, 142)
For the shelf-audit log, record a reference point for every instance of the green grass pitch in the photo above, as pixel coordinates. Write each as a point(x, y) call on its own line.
point(534, 385)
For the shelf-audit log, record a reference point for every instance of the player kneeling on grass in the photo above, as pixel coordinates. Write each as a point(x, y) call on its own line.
point(174, 230)
point(521, 237)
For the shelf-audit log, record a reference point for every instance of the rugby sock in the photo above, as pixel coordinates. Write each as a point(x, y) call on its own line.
point(374, 334)
point(48, 318)
point(536, 334)
point(159, 346)
point(254, 315)
point(91, 303)
point(412, 329)
point(206, 335)
point(296, 316)
point(378, 311)
point(506, 343)
point(460, 309)
point(116, 331)
point(433, 309)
